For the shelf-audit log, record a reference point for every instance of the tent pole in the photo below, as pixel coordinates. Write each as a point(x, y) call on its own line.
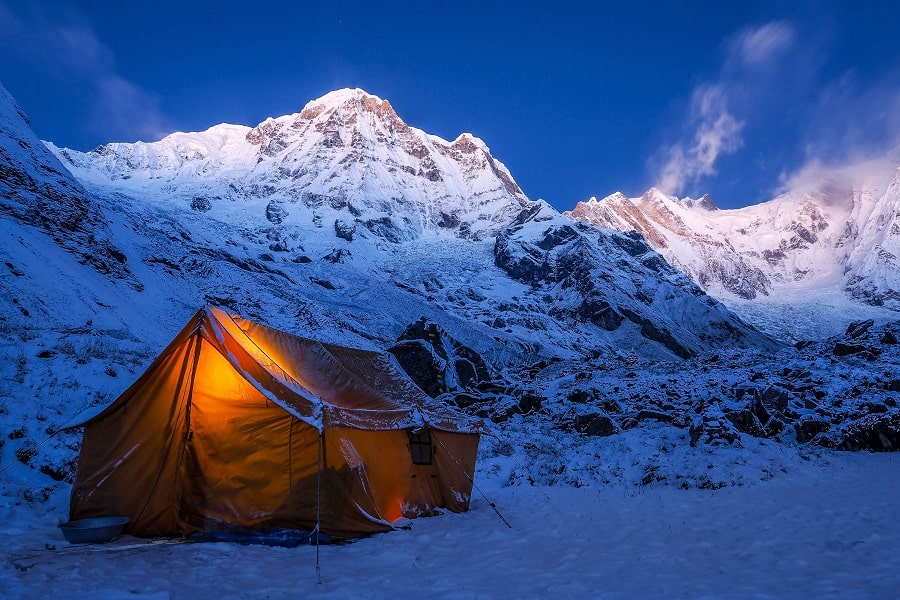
point(319, 504)
point(472, 481)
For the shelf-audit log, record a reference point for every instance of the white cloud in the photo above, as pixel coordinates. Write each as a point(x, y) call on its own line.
point(716, 132)
point(721, 106)
point(760, 45)
point(72, 53)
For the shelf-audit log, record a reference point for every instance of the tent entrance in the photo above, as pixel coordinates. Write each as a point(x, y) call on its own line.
point(247, 463)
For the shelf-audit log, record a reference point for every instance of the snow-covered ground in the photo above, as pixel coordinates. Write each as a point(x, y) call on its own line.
point(824, 529)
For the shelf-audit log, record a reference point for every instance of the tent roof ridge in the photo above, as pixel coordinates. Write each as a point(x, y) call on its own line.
point(295, 386)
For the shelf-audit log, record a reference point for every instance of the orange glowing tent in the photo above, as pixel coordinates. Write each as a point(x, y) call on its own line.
point(237, 427)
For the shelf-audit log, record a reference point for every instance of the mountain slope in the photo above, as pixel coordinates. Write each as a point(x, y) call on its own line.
point(345, 196)
point(832, 236)
point(36, 190)
point(345, 151)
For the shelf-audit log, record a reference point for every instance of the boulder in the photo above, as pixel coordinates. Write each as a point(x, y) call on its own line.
point(595, 424)
point(423, 366)
point(874, 432)
point(809, 427)
point(774, 399)
point(842, 349)
point(344, 230)
point(275, 213)
point(463, 367)
point(746, 422)
point(858, 328)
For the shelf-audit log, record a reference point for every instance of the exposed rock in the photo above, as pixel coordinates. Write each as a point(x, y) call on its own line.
point(384, 228)
point(745, 421)
point(461, 367)
point(844, 349)
point(809, 427)
point(422, 364)
point(658, 334)
point(530, 403)
point(201, 204)
point(599, 312)
point(344, 230)
point(875, 432)
point(775, 399)
point(595, 424)
point(275, 213)
point(858, 328)
point(338, 255)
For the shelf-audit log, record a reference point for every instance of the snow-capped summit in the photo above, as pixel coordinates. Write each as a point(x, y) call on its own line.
point(840, 233)
point(345, 155)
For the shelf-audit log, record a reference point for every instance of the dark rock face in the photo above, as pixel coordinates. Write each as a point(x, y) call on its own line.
point(36, 190)
point(422, 365)
point(858, 328)
point(607, 277)
point(385, 228)
point(344, 230)
point(652, 332)
point(745, 421)
point(845, 349)
point(201, 204)
point(528, 267)
point(808, 428)
point(275, 213)
point(874, 432)
point(598, 311)
point(437, 362)
point(338, 255)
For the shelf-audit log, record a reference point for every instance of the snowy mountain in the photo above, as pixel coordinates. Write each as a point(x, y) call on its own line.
point(830, 237)
point(347, 151)
point(345, 204)
point(599, 368)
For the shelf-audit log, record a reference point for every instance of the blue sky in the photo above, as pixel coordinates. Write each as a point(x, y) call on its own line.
point(578, 99)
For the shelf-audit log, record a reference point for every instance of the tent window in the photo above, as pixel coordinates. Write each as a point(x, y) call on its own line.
point(420, 446)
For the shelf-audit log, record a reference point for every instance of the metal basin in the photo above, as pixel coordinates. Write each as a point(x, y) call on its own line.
point(93, 531)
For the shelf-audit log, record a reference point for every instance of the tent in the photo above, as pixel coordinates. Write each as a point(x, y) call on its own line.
point(237, 427)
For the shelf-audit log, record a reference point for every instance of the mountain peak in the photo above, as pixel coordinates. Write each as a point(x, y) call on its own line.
point(655, 193)
point(350, 100)
point(705, 202)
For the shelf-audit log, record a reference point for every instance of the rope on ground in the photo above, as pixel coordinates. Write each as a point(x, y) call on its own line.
point(52, 435)
point(472, 481)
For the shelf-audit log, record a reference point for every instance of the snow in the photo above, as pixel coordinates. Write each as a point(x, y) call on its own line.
point(837, 233)
point(825, 530)
point(758, 518)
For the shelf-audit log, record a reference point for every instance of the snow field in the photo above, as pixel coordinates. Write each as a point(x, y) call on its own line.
point(826, 530)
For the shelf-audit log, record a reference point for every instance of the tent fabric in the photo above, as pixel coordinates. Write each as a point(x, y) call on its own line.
point(237, 426)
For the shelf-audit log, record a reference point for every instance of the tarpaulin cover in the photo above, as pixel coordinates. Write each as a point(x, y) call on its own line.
point(237, 426)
